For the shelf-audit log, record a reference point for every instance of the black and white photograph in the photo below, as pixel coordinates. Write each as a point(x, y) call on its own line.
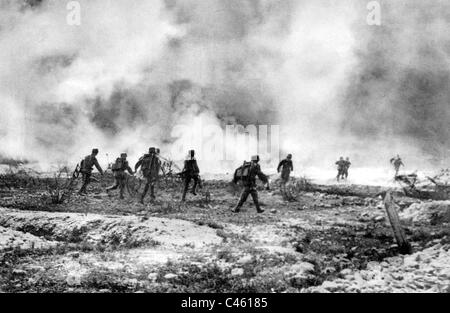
point(224, 147)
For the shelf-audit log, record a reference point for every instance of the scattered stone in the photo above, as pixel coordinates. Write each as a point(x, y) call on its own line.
point(74, 254)
point(152, 277)
point(19, 272)
point(245, 259)
point(170, 276)
point(237, 271)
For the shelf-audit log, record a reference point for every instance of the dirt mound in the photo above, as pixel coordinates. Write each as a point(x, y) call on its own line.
point(11, 239)
point(129, 231)
point(435, 213)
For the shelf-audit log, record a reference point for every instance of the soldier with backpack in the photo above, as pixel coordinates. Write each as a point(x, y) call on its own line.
point(190, 172)
point(150, 165)
point(86, 168)
point(119, 167)
point(247, 173)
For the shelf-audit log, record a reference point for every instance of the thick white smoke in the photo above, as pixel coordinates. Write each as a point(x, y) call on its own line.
point(134, 71)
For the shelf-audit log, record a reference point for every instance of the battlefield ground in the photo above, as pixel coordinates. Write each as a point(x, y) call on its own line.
point(315, 238)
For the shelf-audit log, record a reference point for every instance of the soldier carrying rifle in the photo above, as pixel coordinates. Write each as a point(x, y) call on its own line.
point(86, 168)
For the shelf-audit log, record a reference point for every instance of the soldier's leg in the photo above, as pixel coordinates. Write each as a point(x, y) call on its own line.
point(115, 186)
point(242, 199)
point(86, 180)
point(187, 180)
point(122, 186)
point(152, 190)
point(254, 194)
point(147, 186)
point(195, 185)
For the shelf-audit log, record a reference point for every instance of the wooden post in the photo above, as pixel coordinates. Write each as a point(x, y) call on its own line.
point(399, 234)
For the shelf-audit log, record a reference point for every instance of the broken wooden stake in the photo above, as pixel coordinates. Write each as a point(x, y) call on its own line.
point(399, 234)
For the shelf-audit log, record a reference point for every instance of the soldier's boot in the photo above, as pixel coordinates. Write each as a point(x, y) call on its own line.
point(237, 209)
point(83, 190)
point(241, 202)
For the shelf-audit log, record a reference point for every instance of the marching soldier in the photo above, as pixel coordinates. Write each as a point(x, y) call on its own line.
point(346, 167)
point(86, 168)
point(247, 173)
point(341, 168)
point(119, 167)
point(285, 167)
point(397, 163)
point(190, 172)
point(150, 165)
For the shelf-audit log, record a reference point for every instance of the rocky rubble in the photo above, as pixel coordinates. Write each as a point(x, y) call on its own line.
point(435, 212)
point(424, 271)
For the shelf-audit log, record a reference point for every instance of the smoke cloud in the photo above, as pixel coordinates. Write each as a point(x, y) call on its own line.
point(134, 70)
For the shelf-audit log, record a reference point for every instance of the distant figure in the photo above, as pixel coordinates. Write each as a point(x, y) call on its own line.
point(346, 167)
point(86, 168)
point(285, 167)
point(120, 177)
point(190, 172)
point(341, 168)
point(150, 165)
point(397, 163)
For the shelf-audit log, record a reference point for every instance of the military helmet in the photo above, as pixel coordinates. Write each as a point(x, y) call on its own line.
point(255, 158)
point(123, 155)
point(152, 150)
point(341, 158)
point(94, 151)
point(289, 156)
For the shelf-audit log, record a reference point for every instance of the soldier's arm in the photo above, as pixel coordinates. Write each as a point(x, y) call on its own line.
point(98, 167)
point(138, 164)
point(261, 175)
point(279, 166)
point(130, 170)
point(292, 166)
point(196, 169)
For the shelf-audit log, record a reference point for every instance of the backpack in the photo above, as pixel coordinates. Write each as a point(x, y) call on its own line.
point(243, 172)
point(150, 164)
point(118, 165)
point(86, 164)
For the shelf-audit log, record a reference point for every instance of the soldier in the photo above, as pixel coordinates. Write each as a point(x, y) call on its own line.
point(151, 166)
point(285, 167)
point(120, 177)
point(86, 168)
point(341, 166)
point(247, 173)
point(346, 168)
point(190, 172)
point(397, 162)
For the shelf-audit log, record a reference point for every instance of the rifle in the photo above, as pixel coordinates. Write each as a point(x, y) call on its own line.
point(76, 172)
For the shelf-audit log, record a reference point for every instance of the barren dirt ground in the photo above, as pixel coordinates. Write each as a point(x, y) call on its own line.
point(318, 242)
